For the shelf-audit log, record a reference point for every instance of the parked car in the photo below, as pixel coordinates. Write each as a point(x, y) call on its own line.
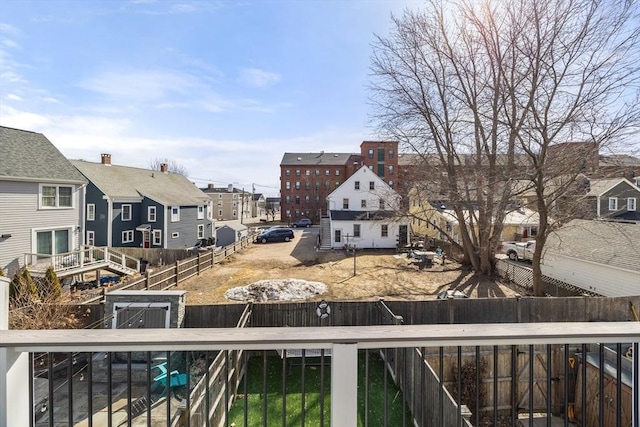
point(276, 235)
point(519, 250)
point(302, 222)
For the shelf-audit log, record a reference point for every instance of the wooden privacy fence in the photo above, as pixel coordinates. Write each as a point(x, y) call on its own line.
point(170, 276)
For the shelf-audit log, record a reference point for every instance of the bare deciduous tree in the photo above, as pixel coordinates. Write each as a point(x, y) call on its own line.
point(482, 92)
point(172, 165)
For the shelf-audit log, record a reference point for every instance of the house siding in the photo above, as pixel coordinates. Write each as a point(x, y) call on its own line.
point(20, 217)
point(100, 225)
point(370, 234)
point(602, 279)
point(187, 227)
point(158, 224)
point(118, 226)
point(622, 191)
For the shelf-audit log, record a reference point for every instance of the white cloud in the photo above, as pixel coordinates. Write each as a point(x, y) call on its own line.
point(140, 85)
point(258, 78)
point(13, 97)
point(9, 29)
point(10, 43)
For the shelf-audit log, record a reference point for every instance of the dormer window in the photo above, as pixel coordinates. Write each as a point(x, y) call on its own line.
point(613, 203)
point(631, 204)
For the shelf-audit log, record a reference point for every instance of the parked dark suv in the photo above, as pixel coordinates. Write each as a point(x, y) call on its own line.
point(275, 235)
point(303, 222)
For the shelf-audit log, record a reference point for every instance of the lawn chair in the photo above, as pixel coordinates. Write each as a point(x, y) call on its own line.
point(176, 379)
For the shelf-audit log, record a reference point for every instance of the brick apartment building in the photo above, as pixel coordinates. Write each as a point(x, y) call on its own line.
point(306, 179)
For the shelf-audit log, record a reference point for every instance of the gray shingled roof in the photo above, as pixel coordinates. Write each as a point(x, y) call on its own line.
point(612, 243)
point(31, 156)
point(123, 182)
point(319, 159)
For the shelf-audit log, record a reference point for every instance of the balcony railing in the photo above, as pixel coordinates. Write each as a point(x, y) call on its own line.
point(502, 372)
point(83, 259)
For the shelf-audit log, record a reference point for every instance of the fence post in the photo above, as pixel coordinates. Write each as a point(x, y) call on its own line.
point(198, 265)
point(177, 273)
point(147, 280)
point(344, 385)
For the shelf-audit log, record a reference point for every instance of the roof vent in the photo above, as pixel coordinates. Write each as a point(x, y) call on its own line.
point(335, 155)
point(299, 158)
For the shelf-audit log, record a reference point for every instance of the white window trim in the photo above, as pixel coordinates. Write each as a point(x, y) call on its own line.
point(200, 212)
point(151, 214)
point(632, 204)
point(613, 203)
point(57, 202)
point(91, 235)
point(175, 235)
point(127, 236)
point(176, 217)
point(122, 218)
point(357, 226)
point(91, 212)
point(157, 237)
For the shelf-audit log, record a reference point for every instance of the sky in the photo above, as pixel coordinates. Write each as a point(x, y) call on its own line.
point(222, 88)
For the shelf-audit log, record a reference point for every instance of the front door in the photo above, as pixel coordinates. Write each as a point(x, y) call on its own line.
point(337, 236)
point(402, 236)
point(146, 238)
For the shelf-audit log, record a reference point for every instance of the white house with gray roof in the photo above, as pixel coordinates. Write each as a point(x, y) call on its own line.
point(599, 256)
point(363, 212)
point(41, 199)
point(134, 207)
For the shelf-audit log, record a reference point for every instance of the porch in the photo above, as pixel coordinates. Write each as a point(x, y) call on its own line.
point(415, 356)
point(87, 258)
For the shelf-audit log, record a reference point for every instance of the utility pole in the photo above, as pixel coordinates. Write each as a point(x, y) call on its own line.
point(242, 206)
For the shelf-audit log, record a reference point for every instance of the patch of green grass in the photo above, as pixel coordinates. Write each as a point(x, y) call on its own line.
point(312, 398)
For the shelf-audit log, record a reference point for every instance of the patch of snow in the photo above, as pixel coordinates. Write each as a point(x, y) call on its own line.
point(276, 290)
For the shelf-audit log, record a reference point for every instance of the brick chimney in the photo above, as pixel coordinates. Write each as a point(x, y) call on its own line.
point(164, 167)
point(210, 186)
point(106, 159)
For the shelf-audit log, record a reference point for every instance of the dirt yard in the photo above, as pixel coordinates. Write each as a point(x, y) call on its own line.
point(377, 274)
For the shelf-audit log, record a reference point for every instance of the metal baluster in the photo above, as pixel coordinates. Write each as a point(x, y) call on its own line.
point(207, 391)
point(70, 360)
point(601, 385)
point(50, 401)
point(90, 388)
point(495, 385)
point(109, 390)
point(566, 383)
point(322, 387)
point(264, 388)
point(384, 392)
point(583, 411)
point(548, 385)
point(148, 388)
point(284, 387)
point(477, 385)
point(619, 385)
point(187, 362)
point(459, 386)
point(531, 390)
point(302, 379)
point(245, 353)
point(129, 411)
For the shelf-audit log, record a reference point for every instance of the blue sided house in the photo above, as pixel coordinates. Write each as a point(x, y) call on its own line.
point(134, 207)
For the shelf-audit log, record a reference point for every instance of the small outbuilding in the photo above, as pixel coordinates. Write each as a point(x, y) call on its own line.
point(229, 232)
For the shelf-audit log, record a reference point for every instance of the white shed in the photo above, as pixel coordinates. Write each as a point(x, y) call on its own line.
point(599, 256)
